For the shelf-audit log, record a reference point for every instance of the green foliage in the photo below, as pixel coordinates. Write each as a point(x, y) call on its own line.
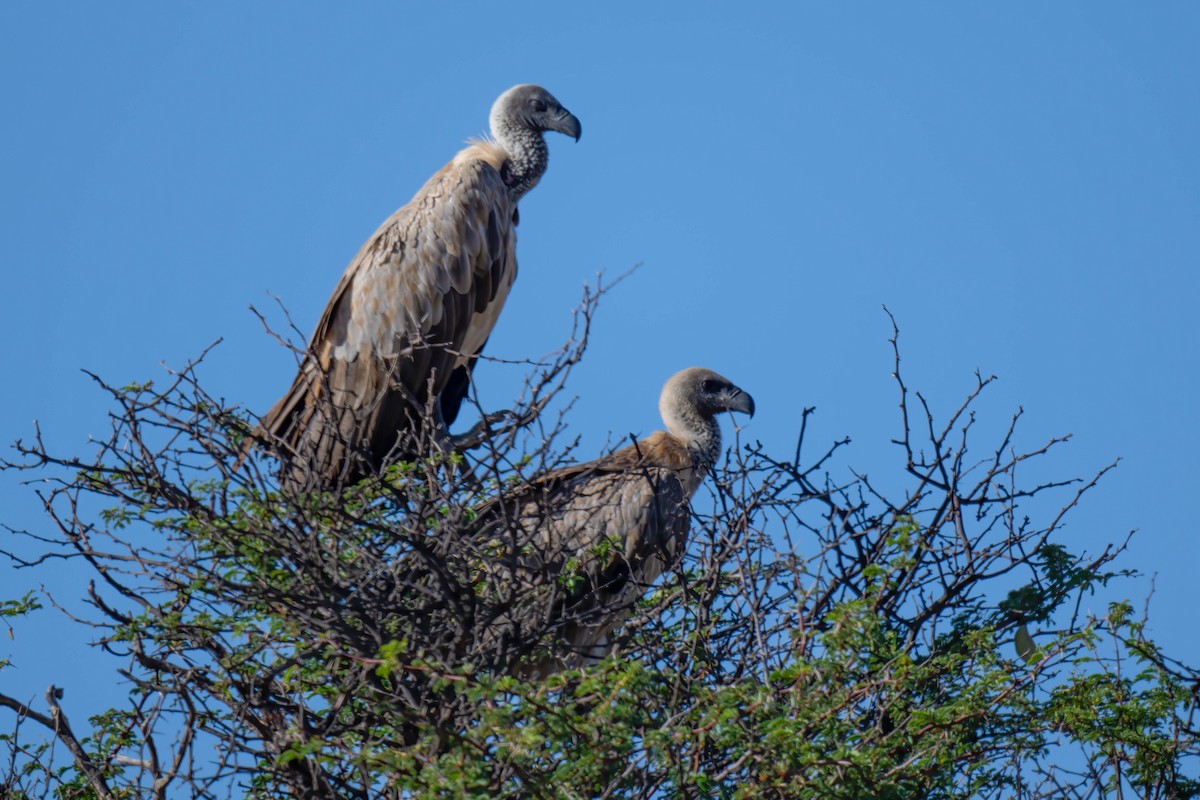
point(11, 609)
point(818, 641)
point(863, 716)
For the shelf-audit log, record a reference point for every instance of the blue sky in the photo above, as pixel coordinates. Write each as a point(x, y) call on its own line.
point(1019, 183)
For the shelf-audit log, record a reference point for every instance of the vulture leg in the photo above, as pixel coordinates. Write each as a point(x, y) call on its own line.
point(478, 434)
point(488, 428)
point(446, 411)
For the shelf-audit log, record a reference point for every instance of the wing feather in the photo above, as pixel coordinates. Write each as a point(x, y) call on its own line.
point(417, 302)
point(580, 545)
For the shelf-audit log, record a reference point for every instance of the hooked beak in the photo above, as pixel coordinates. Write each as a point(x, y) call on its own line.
point(737, 400)
point(567, 123)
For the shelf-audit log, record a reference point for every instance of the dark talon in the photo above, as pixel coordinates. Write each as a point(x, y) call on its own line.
point(493, 424)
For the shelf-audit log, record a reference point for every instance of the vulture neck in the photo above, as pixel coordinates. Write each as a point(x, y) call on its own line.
point(528, 156)
point(701, 434)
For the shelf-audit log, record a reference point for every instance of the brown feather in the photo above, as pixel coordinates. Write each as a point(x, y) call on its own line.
point(416, 303)
point(574, 550)
point(578, 546)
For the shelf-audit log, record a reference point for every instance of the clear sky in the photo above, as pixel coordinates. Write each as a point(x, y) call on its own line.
point(1018, 182)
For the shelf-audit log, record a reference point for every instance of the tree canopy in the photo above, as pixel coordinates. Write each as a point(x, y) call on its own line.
point(827, 635)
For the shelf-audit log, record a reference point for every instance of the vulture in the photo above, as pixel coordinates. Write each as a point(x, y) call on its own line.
point(573, 551)
point(390, 360)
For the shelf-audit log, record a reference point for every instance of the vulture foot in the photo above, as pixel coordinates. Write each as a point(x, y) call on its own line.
point(492, 425)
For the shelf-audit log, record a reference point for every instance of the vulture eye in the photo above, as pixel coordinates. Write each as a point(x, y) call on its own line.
point(539, 105)
point(710, 385)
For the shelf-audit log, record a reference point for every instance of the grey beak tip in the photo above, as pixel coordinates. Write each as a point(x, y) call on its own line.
point(571, 126)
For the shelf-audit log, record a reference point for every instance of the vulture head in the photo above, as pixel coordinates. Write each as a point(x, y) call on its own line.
point(533, 108)
point(690, 402)
point(519, 119)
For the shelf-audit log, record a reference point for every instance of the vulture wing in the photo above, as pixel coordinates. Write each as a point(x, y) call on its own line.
point(412, 311)
point(580, 546)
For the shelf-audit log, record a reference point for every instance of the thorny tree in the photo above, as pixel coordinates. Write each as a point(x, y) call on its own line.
point(821, 639)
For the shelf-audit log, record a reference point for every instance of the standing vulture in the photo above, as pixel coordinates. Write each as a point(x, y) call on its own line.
point(572, 552)
point(396, 344)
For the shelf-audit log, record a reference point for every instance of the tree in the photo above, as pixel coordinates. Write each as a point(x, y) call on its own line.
point(823, 638)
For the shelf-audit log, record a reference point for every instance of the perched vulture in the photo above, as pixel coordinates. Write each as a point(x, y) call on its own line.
point(409, 317)
point(575, 549)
